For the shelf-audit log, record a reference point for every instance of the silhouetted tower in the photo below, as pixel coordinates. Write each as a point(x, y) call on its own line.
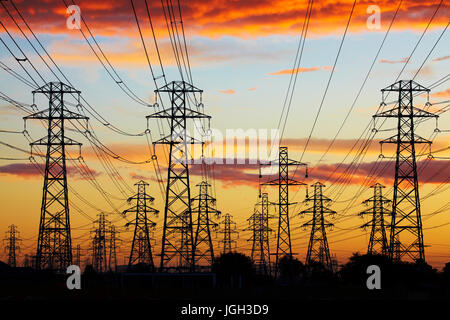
point(99, 261)
point(406, 238)
point(142, 225)
point(259, 225)
point(54, 248)
point(177, 228)
point(12, 244)
point(378, 241)
point(77, 258)
point(113, 239)
point(203, 246)
point(318, 250)
point(228, 230)
point(283, 182)
point(26, 261)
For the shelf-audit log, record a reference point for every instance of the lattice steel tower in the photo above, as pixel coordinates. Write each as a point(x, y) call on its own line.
point(99, 261)
point(203, 246)
point(113, 239)
point(12, 244)
point(177, 228)
point(406, 238)
point(283, 182)
point(54, 248)
point(318, 249)
point(77, 259)
point(228, 230)
point(141, 249)
point(259, 225)
point(378, 241)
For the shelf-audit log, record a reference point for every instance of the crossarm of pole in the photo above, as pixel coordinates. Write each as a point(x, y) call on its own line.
point(188, 113)
point(135, 209)
point(394, 113)
point(150, 223)
point(169, 140)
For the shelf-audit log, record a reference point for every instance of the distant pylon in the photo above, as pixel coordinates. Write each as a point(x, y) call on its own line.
point(54, 248)
point(113, 239)
point(26, 261)
point(318, 250)
point(99, 261)
point(142, 226)
point(203, 246)
point(228, 230)
point(378, 241)
point(406, 238)
point(259, 225)
point(77, 258)
point(12, 244)
point(284, 247)
point(177, 240)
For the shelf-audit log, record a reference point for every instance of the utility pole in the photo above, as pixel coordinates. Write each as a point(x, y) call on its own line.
point(378, 241)
point(12, 239)
point(142, 225)
point(54, 248)
point(284, 247)
point(99, 244)
point(318, 250)
point(406, 238)
point(259, 225)
point(177, 228)
point(228, 230)
point(203, 246)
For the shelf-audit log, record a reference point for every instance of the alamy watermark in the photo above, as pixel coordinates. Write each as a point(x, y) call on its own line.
point(74, 19)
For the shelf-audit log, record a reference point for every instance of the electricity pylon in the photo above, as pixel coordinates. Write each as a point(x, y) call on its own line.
point(141, 252)
point(77, 259)
point(284, 247)
point(406, 237)
point(99, 261)
point(113, 239)
point(228, 230)
point(177, 228)
point(378, 241)
point(203, 246)
point(54, 248)
point(259, 225)
point(12, 240)
point(318, 249)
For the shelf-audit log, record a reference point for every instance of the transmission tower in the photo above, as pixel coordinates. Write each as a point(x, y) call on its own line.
point(203, 247)
point(141, 250)
point(378, 241)
point(54, 248)
point(259, 225)
point(228, 230)
point(99, 244)
point(12, 244)
point(406, 238)
point(113, 239)
point(318, 250)
point(77, 259)
point(283, 182)
point(177, 228)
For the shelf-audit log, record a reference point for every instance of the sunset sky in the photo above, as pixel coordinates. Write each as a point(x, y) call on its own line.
point(242, 55)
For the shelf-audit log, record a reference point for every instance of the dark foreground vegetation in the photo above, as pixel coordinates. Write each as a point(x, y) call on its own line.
point(234, 277)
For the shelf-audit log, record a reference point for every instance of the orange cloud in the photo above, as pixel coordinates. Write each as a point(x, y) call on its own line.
point(242, 18)
point(229, 91)
point(293, 71)
point(404, 60)
point(442, 94)
point(442, 58)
